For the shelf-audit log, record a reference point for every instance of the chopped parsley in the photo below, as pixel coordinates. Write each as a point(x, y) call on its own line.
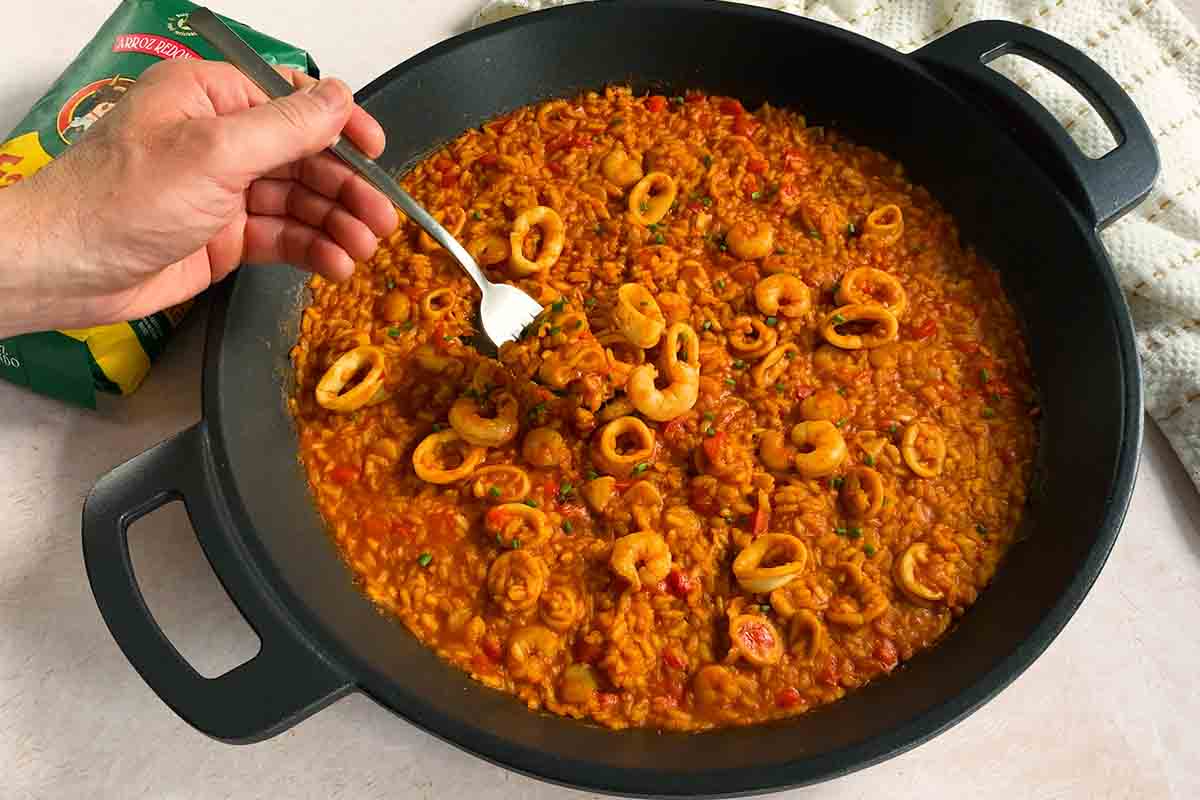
point(836, 483)
point(869, 549)
point(709, 416)
point(516, 544)
point(643, 207)
point(567, 526)
point(393, 332)
point(424, 559)
point(756, 195)
point(850, 229)
point(730, 382)
point(677, 100)
point(659, 239)
point(856, 532)
point(893, 428)
point(558, 305)
point(706, 202)
point(984, 375)
point(720, 282)
point(840, 531)
point(839, 423)
point(988, 413)
point(837, 319)
point(706, 325)
point(590, 302)
point(566, 490)
point(841, 390)
point(494, 491)
point(779, 251)
point(771, 321)
point(529, 501)
point(869, 460)
point(475, 215)
point(739, 364)
point(779, 387)
point(555, 330)
point(640, 468)
point(592, 474)
point(789, 354)
point(615, 122)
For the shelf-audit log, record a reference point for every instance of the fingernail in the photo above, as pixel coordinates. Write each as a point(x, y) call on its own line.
point(331, 94)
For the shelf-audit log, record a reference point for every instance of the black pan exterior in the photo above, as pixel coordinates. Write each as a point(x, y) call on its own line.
point(1045, 246)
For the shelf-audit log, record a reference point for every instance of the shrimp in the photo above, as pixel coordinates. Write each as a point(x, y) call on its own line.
point(620, 168)
point(646, 548)
point(644, 502)
point(751, 240)
point(829, 448)
point(905, 573)
point(516, 579)
point(665, 404)
point(531, 650)
point(795, 296)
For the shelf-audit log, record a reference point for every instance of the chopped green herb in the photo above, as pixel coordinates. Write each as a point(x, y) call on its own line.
point(869, 549)
point(779, 251)
point(408, 326)
point(756, 195)
point(448, 338)
point(893, 428)
point(538, 409)
point(856, 532)
point(530, 502)
point(558, 305)
point(850, 229)
point(567, 526)
point(643, 207)
point(869, 460)
point(771, 321)
point(789, 354)
point(839, 423)
point(836, 483)
point(988, 413)
point(841, 390)
point(707, 161)
point(764, 608)
point(565, 490)
point(730, 382)
point(391, 284)
point(494, 491)
point(475, 215)
point(984, 375)
point(424, 559)
point(578, 324)
point(393, 332)
point(706, 325)
point(660, 239)
point(592, 474)
point(837, 319)
point(981, 529)
point(590, 302)
point(437, 426)
point(499, 540)
point(516, 544)
point(710, 431)
point(840, 531)
point(677, 100)
point(739, 364)
point(640, 468)
point(706, 202)
point(814, 234)
point(720, 282)
point(779, 387)
point(555, 330)
point(615, 122)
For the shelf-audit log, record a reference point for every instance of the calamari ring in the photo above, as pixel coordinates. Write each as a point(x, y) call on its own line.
point(511, 483)
point(869, 285)
point(905, 574)
point(885, 329)
point(652, 198)
point(638, 316)
point(915, 458)
point(787, 554)
point(554, 237)
point(607, 453)
point(331, 391)
point(427, 458)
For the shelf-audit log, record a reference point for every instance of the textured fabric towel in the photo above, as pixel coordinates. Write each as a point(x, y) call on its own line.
point(1151, 49)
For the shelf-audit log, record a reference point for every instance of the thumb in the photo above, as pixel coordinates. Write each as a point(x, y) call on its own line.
point(287, 129)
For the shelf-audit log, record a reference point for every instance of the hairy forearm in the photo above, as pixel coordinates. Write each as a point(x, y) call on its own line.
point(26, 305)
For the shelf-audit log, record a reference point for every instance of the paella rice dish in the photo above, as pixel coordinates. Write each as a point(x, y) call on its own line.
point(772, 433)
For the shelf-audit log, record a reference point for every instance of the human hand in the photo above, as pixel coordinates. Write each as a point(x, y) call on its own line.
point(193, 173)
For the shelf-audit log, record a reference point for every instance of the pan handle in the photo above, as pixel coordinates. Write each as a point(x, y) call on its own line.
point(285, 682)
point(1103, 188)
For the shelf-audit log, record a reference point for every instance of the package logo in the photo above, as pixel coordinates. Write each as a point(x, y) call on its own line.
point(178, 25)
point(152, 45)
point(89, 104)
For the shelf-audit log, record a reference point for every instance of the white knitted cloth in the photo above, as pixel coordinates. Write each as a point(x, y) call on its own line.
point(1151, 49)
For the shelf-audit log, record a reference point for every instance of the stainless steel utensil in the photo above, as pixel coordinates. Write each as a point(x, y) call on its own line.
point(504, 310)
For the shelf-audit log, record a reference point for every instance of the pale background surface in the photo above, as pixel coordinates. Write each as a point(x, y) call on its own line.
point(1110, 711)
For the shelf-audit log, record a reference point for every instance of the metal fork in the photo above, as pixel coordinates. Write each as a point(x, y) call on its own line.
point(504, 311)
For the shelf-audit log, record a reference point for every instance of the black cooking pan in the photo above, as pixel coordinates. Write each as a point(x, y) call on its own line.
point(1024, 195)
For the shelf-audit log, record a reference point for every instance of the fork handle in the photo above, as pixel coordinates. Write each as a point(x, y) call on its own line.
point(255, 67)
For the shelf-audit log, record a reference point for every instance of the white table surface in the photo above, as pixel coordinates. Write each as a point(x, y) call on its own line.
point(1112, 709)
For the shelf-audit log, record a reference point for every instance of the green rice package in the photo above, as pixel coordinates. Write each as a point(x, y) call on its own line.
point(74, 365)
